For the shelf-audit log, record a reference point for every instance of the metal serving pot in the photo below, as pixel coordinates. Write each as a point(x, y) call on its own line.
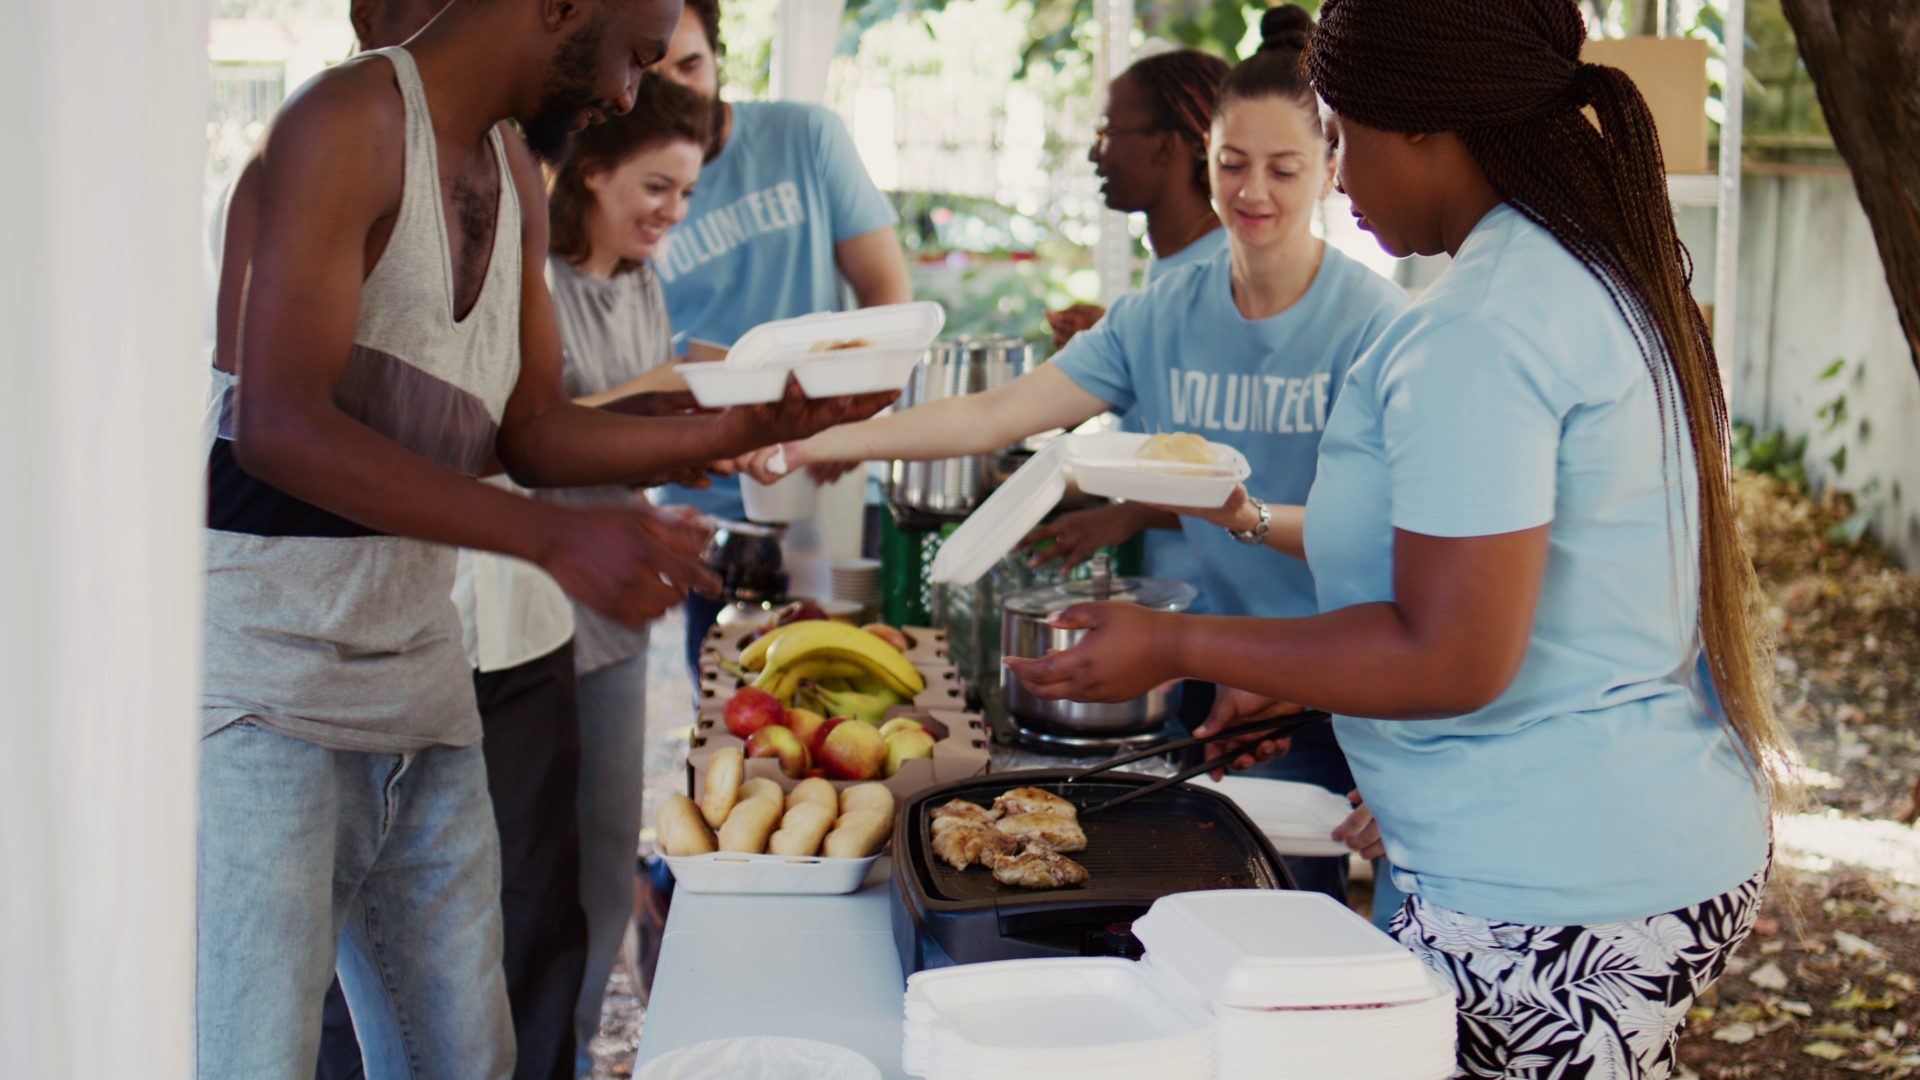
point(952, 487)
point(1025, 632)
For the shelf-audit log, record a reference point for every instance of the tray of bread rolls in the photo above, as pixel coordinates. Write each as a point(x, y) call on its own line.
point(751, 836)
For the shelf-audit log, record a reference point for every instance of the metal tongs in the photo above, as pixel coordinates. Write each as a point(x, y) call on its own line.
point(1276, 727)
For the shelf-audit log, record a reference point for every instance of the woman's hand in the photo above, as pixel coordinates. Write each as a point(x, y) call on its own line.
point(1126, 652)
point(1078, 535)
point(1069, 321)
point(1360, 832)
point(1238, 708)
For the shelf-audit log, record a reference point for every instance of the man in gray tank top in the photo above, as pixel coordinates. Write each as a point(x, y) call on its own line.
point(398, 339)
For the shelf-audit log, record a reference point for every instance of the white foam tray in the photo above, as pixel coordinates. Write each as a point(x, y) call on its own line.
point(734, 872)
point(1107, 464)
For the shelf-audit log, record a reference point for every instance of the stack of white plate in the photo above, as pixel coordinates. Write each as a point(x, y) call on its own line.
point(1053, 1019)
point(855, 580)
point(1299, 985)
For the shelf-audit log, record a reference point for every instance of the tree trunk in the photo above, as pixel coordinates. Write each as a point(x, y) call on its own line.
point(1864, 56)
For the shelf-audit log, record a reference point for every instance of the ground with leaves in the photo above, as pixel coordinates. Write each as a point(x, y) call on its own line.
point(1827, 985)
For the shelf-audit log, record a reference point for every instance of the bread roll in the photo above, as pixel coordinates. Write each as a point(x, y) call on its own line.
point(801, 830)
point(681, 829)
point(724, 770)
point(813, 789)
point(858, 834)
point(1183, 446)
point(749, 826)
point(762, 788)
point(868, 796)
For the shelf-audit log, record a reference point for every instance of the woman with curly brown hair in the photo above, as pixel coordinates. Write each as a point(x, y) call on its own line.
point(1535, 629)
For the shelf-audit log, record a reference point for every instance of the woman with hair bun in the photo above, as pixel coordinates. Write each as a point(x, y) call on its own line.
point(1249, 348)
point(1536, 629)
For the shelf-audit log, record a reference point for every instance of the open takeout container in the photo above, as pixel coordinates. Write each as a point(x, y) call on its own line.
point(892, 340)
point(1104, 464)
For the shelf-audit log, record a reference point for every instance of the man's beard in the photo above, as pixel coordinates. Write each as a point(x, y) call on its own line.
point(569, 93)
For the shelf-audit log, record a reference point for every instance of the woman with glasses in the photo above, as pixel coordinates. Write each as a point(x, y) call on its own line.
point(1248, 348)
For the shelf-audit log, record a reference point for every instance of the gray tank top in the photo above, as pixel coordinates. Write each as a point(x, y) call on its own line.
point(317, 626)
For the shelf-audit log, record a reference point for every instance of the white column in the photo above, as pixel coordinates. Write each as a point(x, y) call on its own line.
point(804, 40)
point(1726, 261)
point(1113, 258)
point(101, 382)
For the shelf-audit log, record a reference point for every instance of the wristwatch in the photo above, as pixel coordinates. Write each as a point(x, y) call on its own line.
point(1257, 536)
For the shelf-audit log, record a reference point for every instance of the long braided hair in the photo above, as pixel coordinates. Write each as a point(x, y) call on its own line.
point(1181, 86)
point(1506, 76)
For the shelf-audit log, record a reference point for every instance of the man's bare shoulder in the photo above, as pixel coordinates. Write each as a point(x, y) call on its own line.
point(345, 131)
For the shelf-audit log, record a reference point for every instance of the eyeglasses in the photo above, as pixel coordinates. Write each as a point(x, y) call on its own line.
point(1104, 134)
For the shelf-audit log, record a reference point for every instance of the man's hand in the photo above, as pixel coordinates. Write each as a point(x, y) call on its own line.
point(1078, 535)
point(1239, 708)
point(1360, 832)
point(796, 416)
point(1069, 321)
point(629, 565)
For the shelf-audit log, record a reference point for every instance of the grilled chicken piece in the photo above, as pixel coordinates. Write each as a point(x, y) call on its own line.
point(1038, 868)
point(960, 812)
point(963, 843)
point(1031, 800)
point(1060, 833)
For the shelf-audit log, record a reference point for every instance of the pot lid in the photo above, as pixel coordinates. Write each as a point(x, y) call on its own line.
point(1049, 600)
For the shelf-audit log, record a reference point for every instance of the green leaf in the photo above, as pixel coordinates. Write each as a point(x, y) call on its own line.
point(1835, 368)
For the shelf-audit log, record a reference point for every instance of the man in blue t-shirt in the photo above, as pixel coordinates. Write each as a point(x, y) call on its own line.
point(783, 212)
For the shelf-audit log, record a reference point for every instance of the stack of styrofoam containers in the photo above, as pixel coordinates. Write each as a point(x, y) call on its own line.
point(1237, 984)
point(1299, 985)
point(1053, 1019)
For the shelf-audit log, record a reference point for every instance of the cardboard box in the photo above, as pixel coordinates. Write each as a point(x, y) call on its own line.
point(1672, 76)
point(963, 753)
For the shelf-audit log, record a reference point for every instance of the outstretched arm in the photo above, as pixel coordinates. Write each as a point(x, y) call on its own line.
point(1449, 643)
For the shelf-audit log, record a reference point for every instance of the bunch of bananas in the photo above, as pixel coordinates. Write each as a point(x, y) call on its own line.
point(817, 650)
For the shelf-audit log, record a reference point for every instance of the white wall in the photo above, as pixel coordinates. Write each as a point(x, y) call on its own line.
point(1812, 290)
point(100, 284)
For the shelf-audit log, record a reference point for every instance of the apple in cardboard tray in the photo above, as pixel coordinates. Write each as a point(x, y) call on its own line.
point(749, 710)
point(777, 742)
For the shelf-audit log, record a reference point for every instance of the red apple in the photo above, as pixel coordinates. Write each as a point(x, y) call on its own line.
point(775, 741)
point(888, 634)
point(820, 734)
point(805, 723)
point(749, 710)
point(853, 751)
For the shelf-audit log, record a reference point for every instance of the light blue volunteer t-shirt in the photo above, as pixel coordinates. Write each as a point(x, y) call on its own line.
point(1179, 356)
point(757, 244)
point(1599, 787)
point(1164, 551)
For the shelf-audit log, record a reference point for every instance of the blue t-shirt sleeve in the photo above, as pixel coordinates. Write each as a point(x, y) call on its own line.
point(856, 204)
point(1471, 417)
point(1096, 358)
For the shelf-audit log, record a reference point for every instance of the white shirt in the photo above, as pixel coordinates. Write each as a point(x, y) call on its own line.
point(510, 610)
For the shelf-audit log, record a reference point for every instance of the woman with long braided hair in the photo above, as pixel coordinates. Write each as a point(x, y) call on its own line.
point(1536, 611)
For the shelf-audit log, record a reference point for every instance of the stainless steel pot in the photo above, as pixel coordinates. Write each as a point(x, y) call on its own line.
point(1024, 632)
point(969, 365)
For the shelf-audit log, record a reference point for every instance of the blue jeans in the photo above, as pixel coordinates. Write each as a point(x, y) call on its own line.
point(384, 864)
point(613, 744)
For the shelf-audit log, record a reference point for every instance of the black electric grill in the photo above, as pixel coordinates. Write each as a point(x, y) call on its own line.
point(1179, 839)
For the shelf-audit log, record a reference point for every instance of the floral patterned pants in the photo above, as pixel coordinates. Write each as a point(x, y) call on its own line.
point(1601, 1002)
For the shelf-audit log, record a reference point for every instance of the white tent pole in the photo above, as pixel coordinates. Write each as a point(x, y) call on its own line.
point(1113, 257)
point(104, 377)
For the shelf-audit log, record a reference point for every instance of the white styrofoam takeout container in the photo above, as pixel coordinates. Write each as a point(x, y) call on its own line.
point(792, 875)
point(716, 384)
point(1108, 464)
